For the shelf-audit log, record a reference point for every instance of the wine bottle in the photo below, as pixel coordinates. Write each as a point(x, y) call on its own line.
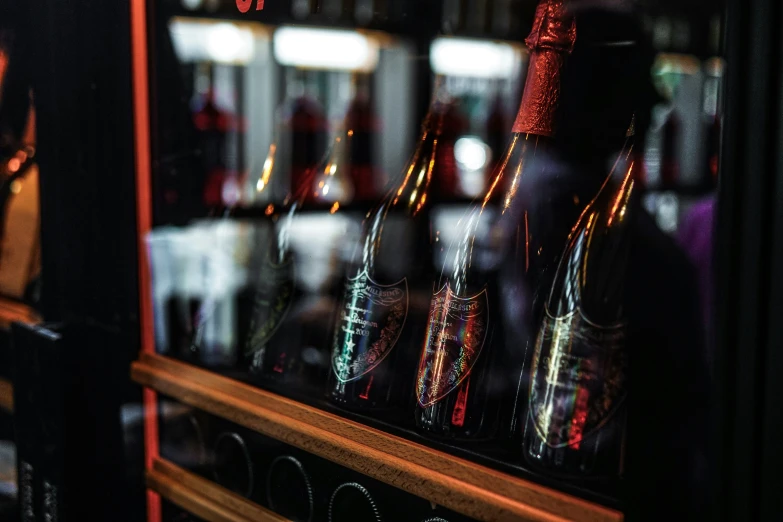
point(455, 124)
point(305, 128)
point(213, 125)
point(288, 489)
point(379, 319)
point(271, 288)
point(496, 128)
point(352, 501)
point(461, 384)
point(575, 423)
point(287, 343)
point(361, 121)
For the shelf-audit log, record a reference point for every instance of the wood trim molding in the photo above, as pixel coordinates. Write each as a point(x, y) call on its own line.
point(463, 486)
point(6, 396)
point(203, 498)
point(13, 311)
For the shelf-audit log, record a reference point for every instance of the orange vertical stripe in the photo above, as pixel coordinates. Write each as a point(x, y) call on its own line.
point(141, 121)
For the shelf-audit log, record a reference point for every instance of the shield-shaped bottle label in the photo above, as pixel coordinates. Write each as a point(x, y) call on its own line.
point(578, 378)
point(456, 332)
point(369, 325)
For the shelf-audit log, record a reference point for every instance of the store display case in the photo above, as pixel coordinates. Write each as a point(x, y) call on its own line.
point(272, 135)
point(407, 260)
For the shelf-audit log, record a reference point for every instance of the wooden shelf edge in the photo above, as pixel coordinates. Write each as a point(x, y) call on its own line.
point(12, 311)
point(6, 396)
point(202, 497)
point(463, 486)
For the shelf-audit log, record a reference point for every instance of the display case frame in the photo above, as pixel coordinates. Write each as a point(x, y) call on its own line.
point(70, 67)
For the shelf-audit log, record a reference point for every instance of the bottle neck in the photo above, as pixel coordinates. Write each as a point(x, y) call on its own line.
point(550, 41)
point(538, 108)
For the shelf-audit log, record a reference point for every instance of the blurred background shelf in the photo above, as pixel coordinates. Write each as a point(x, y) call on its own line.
point(455, 483)
point(202, 497)
point(6, 396)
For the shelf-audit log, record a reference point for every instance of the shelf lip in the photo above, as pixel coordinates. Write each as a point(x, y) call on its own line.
point(203, 498)
point(12, 311)
point(6, 396)
point(458, 484)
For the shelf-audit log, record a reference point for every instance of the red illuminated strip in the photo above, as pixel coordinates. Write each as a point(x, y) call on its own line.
point(141, 121)
point(579, 419)
point(458, 416)
point(244, 5)
point(366, 394)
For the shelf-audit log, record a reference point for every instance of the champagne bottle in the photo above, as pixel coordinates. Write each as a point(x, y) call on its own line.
point(304, 126)
point(361, 120)
point(576, 418)
point(455, 124)
point(270, 353)
point(332, 183)
point(380, 319)
point(288, 339)
point(243, 273)
point(461, 384)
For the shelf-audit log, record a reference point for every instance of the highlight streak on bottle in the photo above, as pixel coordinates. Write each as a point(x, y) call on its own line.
point(366, 394)
point(458, 417)
point(579, 417)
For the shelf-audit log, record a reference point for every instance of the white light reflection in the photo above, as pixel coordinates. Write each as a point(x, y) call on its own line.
point(222, 42)
point(325, 49)
point(473, 157)
point(475, 58)
point(471, 153)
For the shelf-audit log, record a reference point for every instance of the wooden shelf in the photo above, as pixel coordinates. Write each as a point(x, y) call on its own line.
point(204, 498)
point(13, 311)
point(6, 396)
point(458, 484)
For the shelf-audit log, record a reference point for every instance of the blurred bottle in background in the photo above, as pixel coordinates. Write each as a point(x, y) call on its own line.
point(363, 124)
point(497, 126)
point(304, 125)
point(220, 135)
point(670, 148)
point(455, 124)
